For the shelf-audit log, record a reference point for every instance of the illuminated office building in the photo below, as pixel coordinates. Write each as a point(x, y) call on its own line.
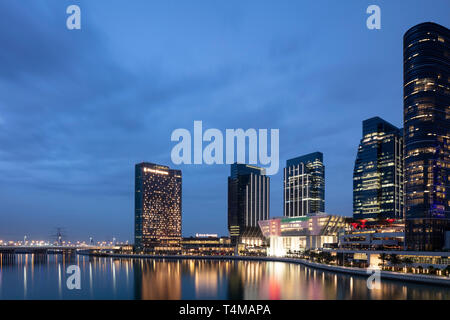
point(304, 185)
point(426, 49)
point(378, 172)
point(248, 203)
point(157, 208)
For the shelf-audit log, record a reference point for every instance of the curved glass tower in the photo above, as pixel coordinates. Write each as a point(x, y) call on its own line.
point(426, 133)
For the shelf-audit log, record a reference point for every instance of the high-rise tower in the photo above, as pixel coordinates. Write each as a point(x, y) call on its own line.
point(426, 50)
point(157, 208)
point(304, 185)
point(378, 172)
point(248, 203)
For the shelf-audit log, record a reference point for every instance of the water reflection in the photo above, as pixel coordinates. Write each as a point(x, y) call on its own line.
point(157, 280)
point(38, 277)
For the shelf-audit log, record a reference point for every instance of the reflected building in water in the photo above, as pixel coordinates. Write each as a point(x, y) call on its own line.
point(107, 278)
point(157, 280)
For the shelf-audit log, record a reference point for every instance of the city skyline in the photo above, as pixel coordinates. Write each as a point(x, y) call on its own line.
point(66, 171)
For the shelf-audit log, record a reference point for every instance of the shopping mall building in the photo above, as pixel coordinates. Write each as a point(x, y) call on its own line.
point(296, 234)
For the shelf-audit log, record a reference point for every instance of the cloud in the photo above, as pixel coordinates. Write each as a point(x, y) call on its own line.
point(74, 118)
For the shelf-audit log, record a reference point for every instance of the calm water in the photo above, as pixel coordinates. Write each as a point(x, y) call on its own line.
point(30, 277)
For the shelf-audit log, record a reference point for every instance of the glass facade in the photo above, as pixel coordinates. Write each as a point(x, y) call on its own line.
point(304, 185)
point(426, 132)
point(157, 208)
point(378, 172)
point(384, 235)
point(296, 234)
point(248, 202)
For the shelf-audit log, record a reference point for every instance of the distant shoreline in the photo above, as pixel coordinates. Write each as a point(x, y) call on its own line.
point(417, 278)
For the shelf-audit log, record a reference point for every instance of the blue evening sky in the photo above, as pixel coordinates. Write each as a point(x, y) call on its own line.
point(79, 108)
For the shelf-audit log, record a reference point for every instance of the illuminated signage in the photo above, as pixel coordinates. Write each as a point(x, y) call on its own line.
point(155, 171)
point(206, 235)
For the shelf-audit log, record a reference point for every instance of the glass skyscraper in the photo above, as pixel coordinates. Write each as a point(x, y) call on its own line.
point(378, 172)
point(157, 208)
point(304, 185)
point(426, 49)
point(248, 203)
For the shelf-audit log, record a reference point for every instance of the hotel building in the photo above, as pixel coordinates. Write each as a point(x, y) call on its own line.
point(304, 185)
point(157, 208)
point(378, 172)
point(248, 203)
point(426, 49)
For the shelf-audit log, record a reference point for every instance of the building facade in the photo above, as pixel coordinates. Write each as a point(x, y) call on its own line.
point(427, 134)
point(378, 173)
point(202, 245)
point(248, 203)
point(297, 234)
point(157, 208)
point(384, 235)
point(304, 185)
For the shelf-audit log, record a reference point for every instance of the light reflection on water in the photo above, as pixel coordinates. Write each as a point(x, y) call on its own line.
point(44, 277)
